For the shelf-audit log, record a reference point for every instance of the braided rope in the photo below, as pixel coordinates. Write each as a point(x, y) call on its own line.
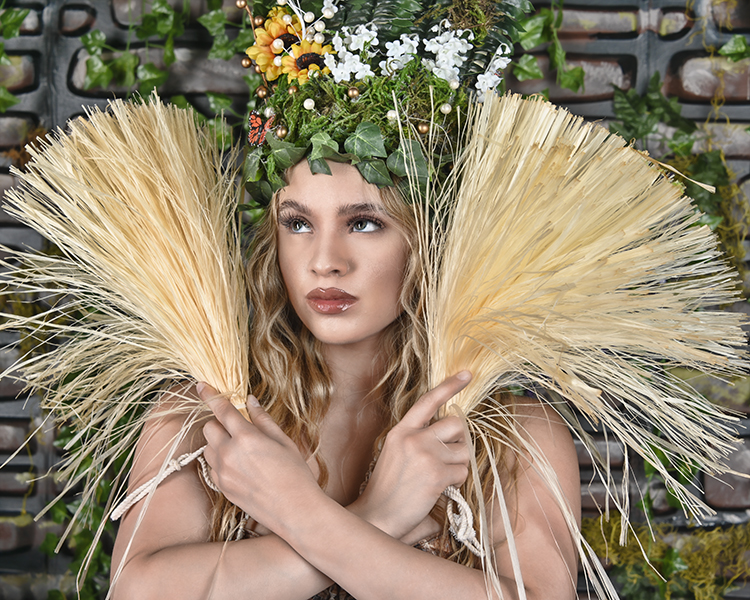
point(462, 524)
point(172, 466)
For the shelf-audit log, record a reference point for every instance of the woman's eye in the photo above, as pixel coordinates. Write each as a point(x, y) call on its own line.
point(365, 226)
point(297, 226)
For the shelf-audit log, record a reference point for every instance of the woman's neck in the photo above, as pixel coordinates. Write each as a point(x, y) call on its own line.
point(355, 371)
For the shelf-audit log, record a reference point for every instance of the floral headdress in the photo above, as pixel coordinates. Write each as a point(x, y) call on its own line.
point(363, 83)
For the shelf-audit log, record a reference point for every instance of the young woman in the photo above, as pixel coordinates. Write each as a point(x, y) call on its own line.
point(338, 371)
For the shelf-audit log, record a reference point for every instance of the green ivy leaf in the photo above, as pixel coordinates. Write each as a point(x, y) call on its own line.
point(160, 22)
point(571, 79)
point(215, 21)
point(180, 101)
point(318, 166)
point(251, 168)
point(284, 154)
point(151, 77)
point(366, 142)
point(527, 67)
point(214, 4)
point(536, 30)
point(4, 58)
point(375, 171)
point(736, 48)
point(94, 41)
point(218, 102)
point(245, 38)
point(55, 595)
point(409, 159)
point(11, 20)
point(222, 48)
point(681, 143)
point(7, 99)
point(168, 55)
point(123, 69)
point(48, 546)
point(324, 146)
point(98, 73)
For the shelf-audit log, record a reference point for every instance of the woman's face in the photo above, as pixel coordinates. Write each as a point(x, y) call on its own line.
point(342, 257)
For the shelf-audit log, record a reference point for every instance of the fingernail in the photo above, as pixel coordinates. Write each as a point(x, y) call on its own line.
point(200, 387)
point(463, 375)
point(252, 400)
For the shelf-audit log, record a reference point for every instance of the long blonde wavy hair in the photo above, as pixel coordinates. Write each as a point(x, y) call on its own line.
point(288, 373)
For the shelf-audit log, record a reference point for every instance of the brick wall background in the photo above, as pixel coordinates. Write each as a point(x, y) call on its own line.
point(618, 42)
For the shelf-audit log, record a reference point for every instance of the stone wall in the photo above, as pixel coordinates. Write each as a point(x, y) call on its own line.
point(618, 42)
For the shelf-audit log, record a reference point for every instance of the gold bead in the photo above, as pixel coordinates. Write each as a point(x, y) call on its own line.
point(423, 128)
point(274, 87)
point(246, 62)
point(261, 92)
point(352, 92)
point(293, 89)
point(258, 21)
point(258, 70)
point(241, 4)
point(281, 132)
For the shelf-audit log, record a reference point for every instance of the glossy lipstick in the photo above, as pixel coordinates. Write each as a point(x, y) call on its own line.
point(330, 301)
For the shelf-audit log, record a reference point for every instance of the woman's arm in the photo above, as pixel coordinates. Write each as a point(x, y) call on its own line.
point(161, 545)
point(368, 562)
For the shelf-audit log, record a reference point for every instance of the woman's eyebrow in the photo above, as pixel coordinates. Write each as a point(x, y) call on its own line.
point(294, 205)
point(348, 209)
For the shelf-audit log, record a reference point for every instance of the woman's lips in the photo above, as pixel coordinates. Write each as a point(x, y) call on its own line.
point(330, 301)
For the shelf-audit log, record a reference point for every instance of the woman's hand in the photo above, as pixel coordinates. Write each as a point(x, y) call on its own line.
point(255, 465)
point(418, 461)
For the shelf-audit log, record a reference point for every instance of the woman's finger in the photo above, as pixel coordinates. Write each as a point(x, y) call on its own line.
point(425, 408)
point(262, 420)
point(214, 433)
point(449, 429)
point(222, 408)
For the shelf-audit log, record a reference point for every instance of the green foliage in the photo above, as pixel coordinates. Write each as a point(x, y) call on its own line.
point(690, 564)
point(10, 25)
point(736, 48)
point(540, 29)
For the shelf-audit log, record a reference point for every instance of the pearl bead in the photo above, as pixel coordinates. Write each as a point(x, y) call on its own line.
point(277, 61)
point(454, 83)
point(445, 108)
point(281, 2)
point(309, 17)
point(269, 112)
point(287, 19)
point(391, 115)
point(327, 13)
point(277, 45)
point(319, 26)
point(309, 104)
point(319, 38)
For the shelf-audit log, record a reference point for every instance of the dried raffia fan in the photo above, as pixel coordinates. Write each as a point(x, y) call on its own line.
point(572, 263)
point(150, 281)
point(569, 261)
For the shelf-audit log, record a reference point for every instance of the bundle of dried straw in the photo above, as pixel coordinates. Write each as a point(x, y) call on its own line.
point(150, 280)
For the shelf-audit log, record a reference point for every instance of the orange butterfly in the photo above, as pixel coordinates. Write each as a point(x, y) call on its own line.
point(257, 128)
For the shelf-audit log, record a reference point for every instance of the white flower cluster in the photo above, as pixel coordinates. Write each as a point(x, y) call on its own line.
point(399, 53)
point(328, 5)
point(450, 48)
point(492, 77)
point(346, 63)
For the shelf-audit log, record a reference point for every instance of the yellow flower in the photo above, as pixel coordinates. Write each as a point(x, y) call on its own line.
point(306, 57)
point(263, 51)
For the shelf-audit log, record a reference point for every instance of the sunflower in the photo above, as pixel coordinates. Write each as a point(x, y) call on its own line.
point(305, 58)
point(263, 51)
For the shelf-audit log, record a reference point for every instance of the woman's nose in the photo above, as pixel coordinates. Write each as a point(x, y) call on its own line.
point(329, 256)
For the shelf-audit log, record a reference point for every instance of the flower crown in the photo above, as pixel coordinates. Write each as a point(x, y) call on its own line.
point(365, 83)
